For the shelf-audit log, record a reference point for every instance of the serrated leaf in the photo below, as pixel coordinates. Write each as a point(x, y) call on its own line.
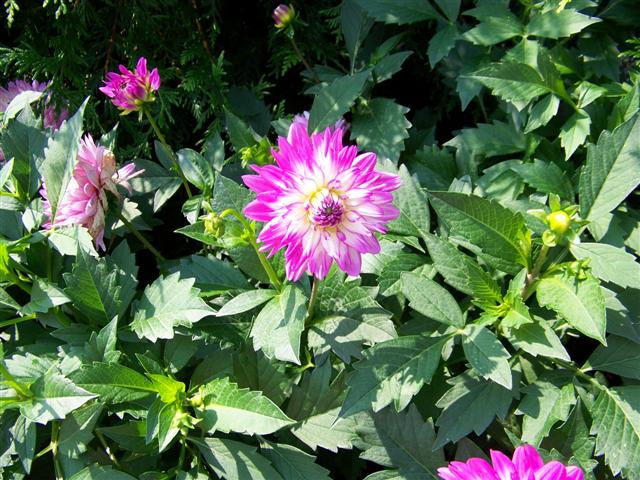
point(392, 371)
point(335, 99)
point(620, 356)
point(381, 127)
point(538, 338)
point(326, 430)
point(497, 24)
point(100, 472)
point(113, 383)
point(461, 271)
point(162, 423)
point(355, 26)
point(165, 304)
point(490, 139)
point(612, 170)
point(542, 112)
point(196, 169)
point(24, 438)
point(616, 424)
point(471, 405)
point(441, 43)
point(545, 177)
point(60, 158)
point(486, 354)
point(398, 11)
point(161, 182)
point(414, 216)
point(101, 347)
point(278, 327)
point(431, 300)
point(233, 460)
point(497, 234)
point(387, 67)
point(246, 301)
point(609, 263)
point(18, 103)
point(44, 296)
point(228, 408)
point(389, 279)
point(574, 132)
point(558, 24)
point(54, 397)
point(292, 463)
point(255, 371)
point(579, 302)
point(229, 194)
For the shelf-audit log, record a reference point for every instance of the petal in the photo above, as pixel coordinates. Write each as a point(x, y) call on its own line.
point(527, 461)
point(574, 473)
point(503, 466)
point(552, 471)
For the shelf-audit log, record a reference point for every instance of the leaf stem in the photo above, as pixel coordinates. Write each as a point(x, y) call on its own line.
point(15, 321)
point(141, 237)
point(13, 383)
point(160, 136)
point(271, 273)
point(55, 430)
point(107, 450)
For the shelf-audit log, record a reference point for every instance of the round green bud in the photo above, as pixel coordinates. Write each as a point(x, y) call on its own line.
point(558, 221)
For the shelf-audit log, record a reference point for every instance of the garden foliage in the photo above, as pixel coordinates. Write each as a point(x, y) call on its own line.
point(502, 309)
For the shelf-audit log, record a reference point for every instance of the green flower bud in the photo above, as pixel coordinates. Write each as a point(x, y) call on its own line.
point(213, 225)
point(559, 222)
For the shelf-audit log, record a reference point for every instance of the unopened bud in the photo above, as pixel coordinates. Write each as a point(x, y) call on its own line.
point(558, 221)
point(283, 15)
point(213, 225)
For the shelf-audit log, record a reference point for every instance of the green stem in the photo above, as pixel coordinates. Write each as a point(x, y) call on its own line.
point(55, 430)
point(108, 451)
point(160, 136)
point(13, 383)
point(15, 321)
point(140, 237)
point(304, 61)
point(532, 276)
point(271, 273)
point(312, 300)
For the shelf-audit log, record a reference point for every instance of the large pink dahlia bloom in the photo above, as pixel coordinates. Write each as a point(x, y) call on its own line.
point(525, 465)
point(322, 201)
point(85, 200)
point(130, 90)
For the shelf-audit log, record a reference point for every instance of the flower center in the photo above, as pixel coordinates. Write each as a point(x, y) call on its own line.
point(326, 209)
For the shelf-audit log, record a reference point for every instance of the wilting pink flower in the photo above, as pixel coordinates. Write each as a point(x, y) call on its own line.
point(85, 200)
point(283, 15)
point(130, 90)
point(525, 465)
point(51, 118)
point(303, 119)
point(322, 201)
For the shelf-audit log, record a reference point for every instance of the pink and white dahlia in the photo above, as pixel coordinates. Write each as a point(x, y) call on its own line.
point(322, 201)
point(526, 464)
point(303, 119)
point(85, 200)
point(130, 90)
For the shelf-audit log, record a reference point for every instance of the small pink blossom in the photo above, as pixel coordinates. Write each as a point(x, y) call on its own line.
point(129, 91)
point(322, 201)
point(85, 200)
point(283, 15)
point(526, 464)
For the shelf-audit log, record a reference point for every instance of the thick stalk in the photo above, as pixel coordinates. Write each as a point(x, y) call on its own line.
point(160, 136)
point(140, 237)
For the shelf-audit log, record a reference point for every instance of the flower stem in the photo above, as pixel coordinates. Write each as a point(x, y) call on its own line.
point(163, 140)
point(271, 273)
point(15, 321)
point(532, 276)
point(107, 450)
point(140, 237)
point(312, 300)
point(304, 61)
point(55, 430)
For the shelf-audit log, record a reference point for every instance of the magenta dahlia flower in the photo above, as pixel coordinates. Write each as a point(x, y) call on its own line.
point(321, 201)
point(525, 465)
point(85, 200)
point(129, 91)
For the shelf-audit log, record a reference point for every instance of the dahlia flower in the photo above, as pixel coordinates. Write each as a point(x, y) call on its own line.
point(322, 201)
point(51, 118)
point(130, 90)
point(283, 15)
point(85, 200)
point(303, 119)
point(525, 465)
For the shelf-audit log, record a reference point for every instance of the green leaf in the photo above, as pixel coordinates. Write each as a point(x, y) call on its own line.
point(113, 383)
point(620, 356)
point(544, 405)
point(387, 67)
point(542, 112)
point(44, 296)
point(76, 432)
point(162, 423)
point(255, 371)
point(461, 271)
point(161, 182)
point(609, 263)
point(574, 132)
point(60, 158)
point(18, 103)
point(7, 301)
point(246, 301)
point(612, 170)
point(405, 441)
point(197, 232)
point(558, 24)
point(292, 463)
point(279, 325)
point(355, 27)
point(517, 83)
point(99, 472)
point(392, 371)
point(227, 408)
point(334, 100)
point(165, 304)
point(233, 460)
point(441, 43)
point(129, 436)
point(414, 216)
point(326, 430)
point(101, 347)
point(67, 240)
point(490, 139)
point(228, 194)
point(579, 302)
point(431, 300)
point(93, 288)
point(196, 169)
point(538, 338)
point(399, 11)
point(451, 8)
point(5, 172)
point(24, 438)
point(389, 280)
point(497, 24)
point(240, 134)
point(545, 177)
point(496, 234)
point(381, 126)
point(616, 424)
point(471, 405)
point(486, 354)
point(54, 397)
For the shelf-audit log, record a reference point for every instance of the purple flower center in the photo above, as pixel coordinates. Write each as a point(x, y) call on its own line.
point(329, 213)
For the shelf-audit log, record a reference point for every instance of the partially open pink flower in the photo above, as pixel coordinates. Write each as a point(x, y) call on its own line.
point(85, 200)
point(283, 15)
point(525, 465)
point(321, 201)
point(128, 90)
